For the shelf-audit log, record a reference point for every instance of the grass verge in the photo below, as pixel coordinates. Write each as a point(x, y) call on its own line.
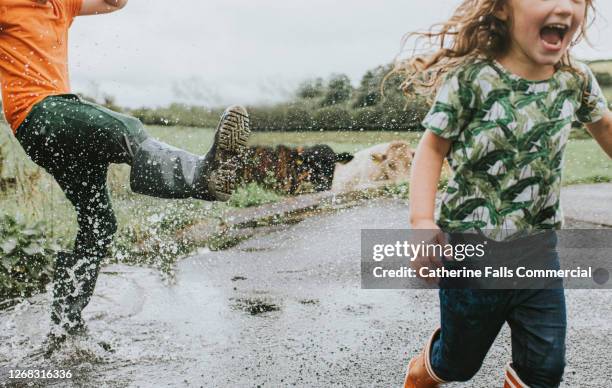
point(148, 226)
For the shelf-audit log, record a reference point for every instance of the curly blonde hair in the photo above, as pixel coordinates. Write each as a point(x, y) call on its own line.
point(472, 32)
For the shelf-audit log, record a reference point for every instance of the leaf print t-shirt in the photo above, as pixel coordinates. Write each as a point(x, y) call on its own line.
point(508, 140)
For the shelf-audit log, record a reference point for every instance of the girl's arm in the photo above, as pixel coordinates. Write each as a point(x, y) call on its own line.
point(425, 175)
point(426, 168)
point(602, 132)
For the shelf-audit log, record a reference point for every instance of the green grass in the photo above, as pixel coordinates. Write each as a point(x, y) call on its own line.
point(602, 66)
point(148, 226)
point(252, 195)
point(38, 197)
point(340, 141)
point(608, 92)
point(585, 162)
point(198, 140)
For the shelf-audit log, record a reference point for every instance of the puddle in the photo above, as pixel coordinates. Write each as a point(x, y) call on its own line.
point(309, 301)
point(360, 309)
point(256, 249)
point(254, 306)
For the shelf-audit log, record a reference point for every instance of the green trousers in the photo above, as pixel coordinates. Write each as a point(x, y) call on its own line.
point(76, 141)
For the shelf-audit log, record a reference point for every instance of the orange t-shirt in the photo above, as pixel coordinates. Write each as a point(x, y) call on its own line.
point(33, 53)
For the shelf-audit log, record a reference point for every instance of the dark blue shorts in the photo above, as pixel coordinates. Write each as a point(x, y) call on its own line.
point(472, 318)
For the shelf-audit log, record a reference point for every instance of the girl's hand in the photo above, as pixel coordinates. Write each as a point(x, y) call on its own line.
point(427, 231)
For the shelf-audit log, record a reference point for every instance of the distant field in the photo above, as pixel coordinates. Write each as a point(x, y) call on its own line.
point(605, 66)
point(198, 140)
point(38, 197)
point(584, 160)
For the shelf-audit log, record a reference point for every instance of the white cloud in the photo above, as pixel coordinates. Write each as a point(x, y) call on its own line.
point(248, 51)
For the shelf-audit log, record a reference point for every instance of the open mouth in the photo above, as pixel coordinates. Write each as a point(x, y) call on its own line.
point(553, 35)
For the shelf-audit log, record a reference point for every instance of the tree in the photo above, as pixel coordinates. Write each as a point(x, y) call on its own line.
point(368, 93)
point(339, 89)
point(313, 88)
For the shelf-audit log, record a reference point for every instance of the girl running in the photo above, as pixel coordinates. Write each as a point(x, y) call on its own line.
point(508, 92)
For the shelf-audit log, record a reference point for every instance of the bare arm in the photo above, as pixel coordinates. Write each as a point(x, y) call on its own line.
point(96, 7)
point(426, 168)
point(602, 133)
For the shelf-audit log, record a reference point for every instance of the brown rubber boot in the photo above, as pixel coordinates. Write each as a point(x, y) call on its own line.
point(228, 148)
point(420, 374)
point(163, 171)
point(512, 378)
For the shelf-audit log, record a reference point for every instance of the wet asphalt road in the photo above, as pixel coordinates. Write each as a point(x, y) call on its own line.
point(318, 328)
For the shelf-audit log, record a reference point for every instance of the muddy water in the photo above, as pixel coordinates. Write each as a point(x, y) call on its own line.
point(284, 308)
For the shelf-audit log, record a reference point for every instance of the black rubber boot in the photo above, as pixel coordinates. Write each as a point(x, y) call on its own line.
point(163, 171)
point(73, 285)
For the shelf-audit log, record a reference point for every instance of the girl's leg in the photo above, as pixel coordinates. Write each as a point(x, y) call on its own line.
point(538, 322)
point(470, 321)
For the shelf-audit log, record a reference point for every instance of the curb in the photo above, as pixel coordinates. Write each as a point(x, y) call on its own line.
point(590, 203)
point(234, 222)
point(238, 224)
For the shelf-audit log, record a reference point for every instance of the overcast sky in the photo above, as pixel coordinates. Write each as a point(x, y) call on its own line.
point(217, 52)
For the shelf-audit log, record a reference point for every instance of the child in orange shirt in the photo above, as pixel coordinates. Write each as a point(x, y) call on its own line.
point(76, 141)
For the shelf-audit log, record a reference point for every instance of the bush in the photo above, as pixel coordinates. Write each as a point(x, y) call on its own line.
point(26, 264)
point(178, 114)
point(368, 119)
point(319, 106)
point(278, 116)
point(298, 118)
point(604, 79)
point(333, 118)
point(252, 195)
point(404, 115)
point(261, 119)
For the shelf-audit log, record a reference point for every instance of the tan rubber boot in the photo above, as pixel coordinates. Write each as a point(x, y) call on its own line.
point(512, 378)
point(228, 148)
point(420, 374)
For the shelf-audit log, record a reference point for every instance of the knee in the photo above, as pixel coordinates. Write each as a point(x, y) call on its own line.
point(96, 231)
point(101, 223)
point(135, 130)
point(107, 227)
